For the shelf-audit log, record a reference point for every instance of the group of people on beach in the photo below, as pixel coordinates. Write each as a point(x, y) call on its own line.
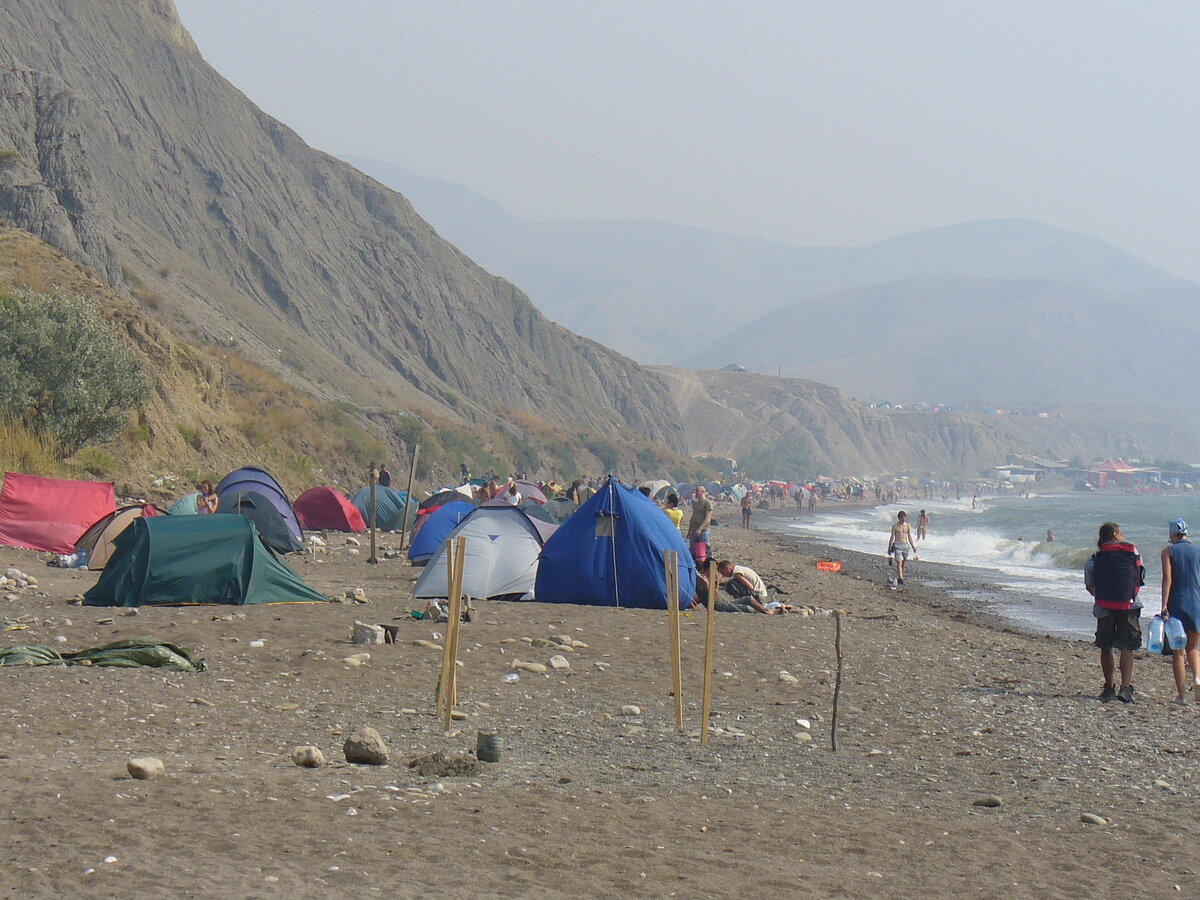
point(1114, 576)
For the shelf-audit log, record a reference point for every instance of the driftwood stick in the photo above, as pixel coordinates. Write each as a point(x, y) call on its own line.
point(837, 685)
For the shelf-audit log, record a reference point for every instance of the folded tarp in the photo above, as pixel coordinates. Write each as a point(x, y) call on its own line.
point(50, 514)
point(130, 654)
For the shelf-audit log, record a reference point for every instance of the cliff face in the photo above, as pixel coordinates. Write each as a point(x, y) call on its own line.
point(121, 147)
point(740, 413)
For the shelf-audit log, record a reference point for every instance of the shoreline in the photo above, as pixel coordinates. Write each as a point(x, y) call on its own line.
point(951, 587)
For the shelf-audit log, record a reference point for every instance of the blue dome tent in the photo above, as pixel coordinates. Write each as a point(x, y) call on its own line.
point(610, 553)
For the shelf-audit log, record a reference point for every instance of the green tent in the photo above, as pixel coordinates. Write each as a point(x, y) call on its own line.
point(179, 560)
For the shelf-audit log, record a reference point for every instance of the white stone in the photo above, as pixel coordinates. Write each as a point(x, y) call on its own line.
point(788, 678)
point(631, 710)
point(559, 662)
point(353, 541)
point(145, 768)
point(308, 757)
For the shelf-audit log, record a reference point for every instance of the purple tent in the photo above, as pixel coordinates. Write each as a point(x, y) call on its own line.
point(251, 479)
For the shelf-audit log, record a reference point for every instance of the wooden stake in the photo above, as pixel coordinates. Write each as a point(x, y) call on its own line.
point(671, 562)
point(460, 556)
point(837, 685)
point(374, 478)
point(706, 701)
point(444, 678)
point(412, 468)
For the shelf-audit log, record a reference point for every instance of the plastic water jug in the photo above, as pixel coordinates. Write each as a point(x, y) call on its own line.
point(82, 558)
point(1154, 638)
point(1176, 636)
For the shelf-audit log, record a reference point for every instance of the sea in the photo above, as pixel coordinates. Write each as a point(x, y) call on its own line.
point(1002, 544)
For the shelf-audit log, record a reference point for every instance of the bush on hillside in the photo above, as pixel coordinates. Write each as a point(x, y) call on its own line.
point(65, 372)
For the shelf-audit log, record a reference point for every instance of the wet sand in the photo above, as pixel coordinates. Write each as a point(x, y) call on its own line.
point(941, 707)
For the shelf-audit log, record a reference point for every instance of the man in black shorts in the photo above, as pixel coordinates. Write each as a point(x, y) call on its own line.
point(1114, 575)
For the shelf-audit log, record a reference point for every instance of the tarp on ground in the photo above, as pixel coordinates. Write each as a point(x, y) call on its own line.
point(134, 653)
point(50, 514)
point(265, 516)
point(253, 479)
point(185, 505)
point(326, 509)
point(180, 560)
point(387, 502)
point(435, 528)
point(610, 553)
point(503, 543)
point(98, 540)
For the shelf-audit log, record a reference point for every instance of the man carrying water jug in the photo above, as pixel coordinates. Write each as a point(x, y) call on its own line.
point(1181, 598)
point(1113, 575)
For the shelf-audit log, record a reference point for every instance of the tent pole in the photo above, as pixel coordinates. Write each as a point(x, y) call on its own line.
point(412, 468)
point(374, 477)
point(671, 561)
point(706, 701)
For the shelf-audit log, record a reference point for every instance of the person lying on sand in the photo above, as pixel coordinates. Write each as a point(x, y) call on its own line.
point(746, 590)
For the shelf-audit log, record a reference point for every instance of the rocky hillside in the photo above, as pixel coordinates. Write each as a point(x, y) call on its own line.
point(121, 147)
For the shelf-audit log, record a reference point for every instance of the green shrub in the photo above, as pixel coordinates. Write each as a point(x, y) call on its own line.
point(64, 369)
point(95, 461)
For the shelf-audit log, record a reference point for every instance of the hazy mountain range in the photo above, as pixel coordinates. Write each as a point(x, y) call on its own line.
point(662, 292)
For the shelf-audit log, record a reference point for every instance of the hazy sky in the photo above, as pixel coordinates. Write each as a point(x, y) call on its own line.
point(838, 122)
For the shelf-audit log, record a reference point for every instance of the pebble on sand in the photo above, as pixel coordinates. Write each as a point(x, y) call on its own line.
point(559, 662)
point(788, 678)
point(365, 746)
point(1092, 819)
point(631, 710)
point(991, 802)
point(308, 757)
point(145, 768)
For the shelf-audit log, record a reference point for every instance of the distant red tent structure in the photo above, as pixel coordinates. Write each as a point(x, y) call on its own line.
point(1112, 470)
point(324, 509)
point(50, 514)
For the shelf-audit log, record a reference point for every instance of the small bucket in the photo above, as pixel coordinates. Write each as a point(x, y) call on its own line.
point(489, 746)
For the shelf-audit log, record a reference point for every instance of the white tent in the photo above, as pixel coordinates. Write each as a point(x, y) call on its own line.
point(655, 486)
point(503, 544)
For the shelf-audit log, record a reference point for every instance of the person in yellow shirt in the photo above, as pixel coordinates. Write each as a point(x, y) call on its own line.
point(674, 513)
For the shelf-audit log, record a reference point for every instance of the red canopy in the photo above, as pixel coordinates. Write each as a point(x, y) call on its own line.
point(50, 514)
point(324, 509)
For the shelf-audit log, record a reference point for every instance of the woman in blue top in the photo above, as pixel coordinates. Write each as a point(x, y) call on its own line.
point(1181, 599)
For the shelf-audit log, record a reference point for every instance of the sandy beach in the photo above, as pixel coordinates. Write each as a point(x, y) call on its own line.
point(941, 708)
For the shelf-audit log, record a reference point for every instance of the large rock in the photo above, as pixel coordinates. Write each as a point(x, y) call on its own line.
point(366, 747)
point(368, 634)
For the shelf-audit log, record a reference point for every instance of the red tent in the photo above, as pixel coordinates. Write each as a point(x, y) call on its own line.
point(50, 514)
point(324, 509)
